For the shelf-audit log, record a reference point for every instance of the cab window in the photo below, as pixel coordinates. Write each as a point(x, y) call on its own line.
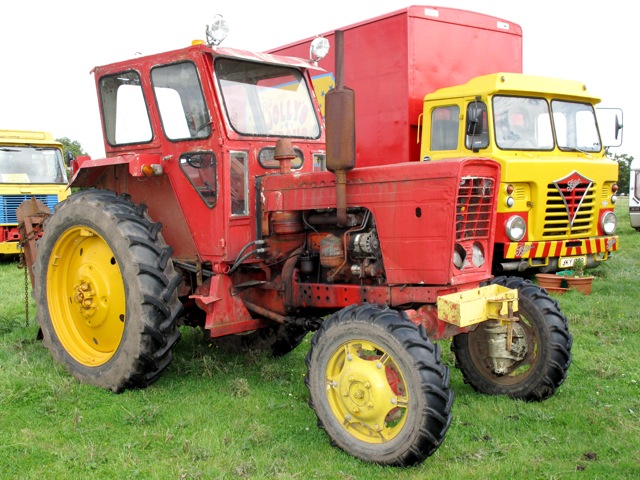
point(266, 158)
point(445, 123)
point(124, 109)
point(200, 170)
point(239, 187)
point(180, 100)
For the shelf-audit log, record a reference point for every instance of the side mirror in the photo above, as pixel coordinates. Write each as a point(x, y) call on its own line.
point(68, 158)
point(474, 121)
point(611, 125)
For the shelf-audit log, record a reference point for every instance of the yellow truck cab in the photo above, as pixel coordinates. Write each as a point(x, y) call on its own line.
point(558, 187)
point(31, 165)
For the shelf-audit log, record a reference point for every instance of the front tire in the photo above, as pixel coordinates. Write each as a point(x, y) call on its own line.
point(378, 386)
point(540, 356)
point(106, 291)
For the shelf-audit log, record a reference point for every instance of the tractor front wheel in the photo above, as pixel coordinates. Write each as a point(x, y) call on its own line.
point(378, 386)
point(536, 362)
point(106, 291)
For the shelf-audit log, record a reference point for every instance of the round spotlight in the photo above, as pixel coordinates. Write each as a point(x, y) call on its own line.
point(319, 49)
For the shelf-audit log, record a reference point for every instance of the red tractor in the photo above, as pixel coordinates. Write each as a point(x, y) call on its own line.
point(213, 208)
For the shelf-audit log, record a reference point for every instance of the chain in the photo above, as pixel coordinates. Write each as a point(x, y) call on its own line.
point(26, 296)
point(23, 265)
point(23, 261)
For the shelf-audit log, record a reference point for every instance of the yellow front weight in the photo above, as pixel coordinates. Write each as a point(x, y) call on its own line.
point(491, 302)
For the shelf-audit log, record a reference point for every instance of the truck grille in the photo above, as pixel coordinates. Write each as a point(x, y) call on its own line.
point(9, 204)
point(473, 217)
point(570, 211)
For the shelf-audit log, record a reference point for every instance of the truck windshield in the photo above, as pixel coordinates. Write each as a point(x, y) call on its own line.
point(524, 123)
point(576, 126)
point(25, 164)
point(266, 100)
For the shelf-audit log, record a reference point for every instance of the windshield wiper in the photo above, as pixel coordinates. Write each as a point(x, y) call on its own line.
point(576, 149)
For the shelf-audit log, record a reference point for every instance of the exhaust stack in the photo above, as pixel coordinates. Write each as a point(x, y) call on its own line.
point(340, 131)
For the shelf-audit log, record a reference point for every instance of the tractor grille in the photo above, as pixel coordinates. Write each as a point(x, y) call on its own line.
point(9, 204)
point(570, 211)
point(473, 215)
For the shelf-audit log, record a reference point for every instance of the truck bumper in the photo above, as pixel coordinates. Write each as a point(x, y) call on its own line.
point(491, 302)
point(9, 248)
point(563, 248)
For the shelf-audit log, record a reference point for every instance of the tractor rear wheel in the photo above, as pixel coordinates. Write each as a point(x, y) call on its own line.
point(106, 291)
point(540, 354)
point(378, 386)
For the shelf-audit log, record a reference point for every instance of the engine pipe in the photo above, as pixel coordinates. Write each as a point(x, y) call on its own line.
point(340, 132)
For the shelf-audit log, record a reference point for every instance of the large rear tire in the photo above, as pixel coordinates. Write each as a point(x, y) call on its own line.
point(378, 386)
point(541, 349)
point(106, 291)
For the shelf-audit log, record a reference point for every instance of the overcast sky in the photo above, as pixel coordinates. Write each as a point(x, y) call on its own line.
point(49, 47)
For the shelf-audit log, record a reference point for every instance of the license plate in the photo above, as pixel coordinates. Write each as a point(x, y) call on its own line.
point(566, 262)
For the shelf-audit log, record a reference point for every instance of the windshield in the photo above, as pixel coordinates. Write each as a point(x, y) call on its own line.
point(267, 100)
point(576, 126)
point(524, 123)
point(19, 164)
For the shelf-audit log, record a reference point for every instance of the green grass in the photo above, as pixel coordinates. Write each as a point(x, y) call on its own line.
point(215, 415)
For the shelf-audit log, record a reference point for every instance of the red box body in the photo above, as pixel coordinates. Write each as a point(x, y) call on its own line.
point(394, 60)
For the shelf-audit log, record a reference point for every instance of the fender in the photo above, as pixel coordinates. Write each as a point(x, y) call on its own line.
point(86, 172)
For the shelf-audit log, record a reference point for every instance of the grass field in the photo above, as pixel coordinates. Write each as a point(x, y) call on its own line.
point(219, 416)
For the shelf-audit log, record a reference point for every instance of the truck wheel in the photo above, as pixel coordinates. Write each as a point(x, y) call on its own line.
point(378, 386)
point(540, 356)
point(106, 291)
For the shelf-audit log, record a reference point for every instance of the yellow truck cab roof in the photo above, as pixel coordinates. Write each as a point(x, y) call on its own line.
point(516, 83)
point(27, 137)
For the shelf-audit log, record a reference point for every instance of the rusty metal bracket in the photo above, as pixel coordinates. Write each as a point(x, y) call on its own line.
point(31, 215)
point(507, 317)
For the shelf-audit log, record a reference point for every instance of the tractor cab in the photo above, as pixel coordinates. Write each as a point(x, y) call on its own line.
point(202, 123)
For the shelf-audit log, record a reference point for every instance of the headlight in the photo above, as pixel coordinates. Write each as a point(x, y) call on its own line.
point(609, 223)
point(516, 228)
point(459, 256)
point(477, 255)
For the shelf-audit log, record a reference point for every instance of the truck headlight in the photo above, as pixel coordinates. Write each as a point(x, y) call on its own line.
point(516, 228)
point(609, 222)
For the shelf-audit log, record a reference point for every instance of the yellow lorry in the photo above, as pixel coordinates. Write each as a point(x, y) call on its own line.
point(558, 187)
point(31, 165)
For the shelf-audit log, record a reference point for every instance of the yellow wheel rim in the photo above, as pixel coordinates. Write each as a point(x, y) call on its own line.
point(366, 391)
point(85, 292)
